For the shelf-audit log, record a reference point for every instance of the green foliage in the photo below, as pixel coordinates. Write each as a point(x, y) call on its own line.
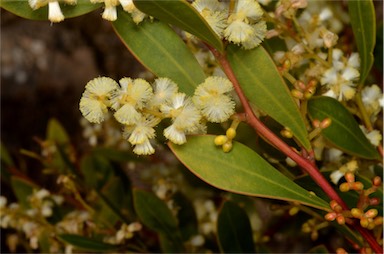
point(56, 132)
point(22, 9)
point(241, 171)
point(265, 88)
point(22, 189)
point(180, 13)
point(155, 214)
point(234, 230)
point(344, 131)
point(87, 244)
point(363, 21)
point(163, 52)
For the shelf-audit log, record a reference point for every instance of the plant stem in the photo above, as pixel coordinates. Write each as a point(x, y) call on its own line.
point(304, 163)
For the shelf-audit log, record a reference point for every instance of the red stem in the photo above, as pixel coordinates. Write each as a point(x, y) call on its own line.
point(304, 163)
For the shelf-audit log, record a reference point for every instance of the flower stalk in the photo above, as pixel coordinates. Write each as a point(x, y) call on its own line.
point(306, 164)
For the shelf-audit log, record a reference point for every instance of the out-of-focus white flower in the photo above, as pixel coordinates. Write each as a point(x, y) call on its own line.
point(373, 136)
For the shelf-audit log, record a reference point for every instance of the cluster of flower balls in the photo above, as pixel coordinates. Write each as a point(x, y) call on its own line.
point(240, 24)
point(140, 106)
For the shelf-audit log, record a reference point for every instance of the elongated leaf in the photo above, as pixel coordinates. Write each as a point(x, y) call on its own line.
point(344, 131)
point(186, 216)
point(155, 214)
point(180, 13)
point(22, 189)
point(265, 88)
point(56, 132)
point(241, 171)
point(21, 8)
point(160, 50)
point(363, 21)
point(234, 230)
point(84, 243)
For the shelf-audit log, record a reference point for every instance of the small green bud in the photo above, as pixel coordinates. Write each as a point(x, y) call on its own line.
point(356, 212)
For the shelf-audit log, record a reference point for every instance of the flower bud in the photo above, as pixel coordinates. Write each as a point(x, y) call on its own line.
point(344, 187)
point(356, 212)
point(374, 201)
point(287, 133)
point(325, 123)
point(377, 181)
point(231, 133)
point(364, 222)
point(357, 186)
point(294, 210)
point(227, 147)
point(350, 177)
point(297, 94)
point(340, 219)
point(371, 213)
point(316, 123)
point(330, 216)
point(220, 140)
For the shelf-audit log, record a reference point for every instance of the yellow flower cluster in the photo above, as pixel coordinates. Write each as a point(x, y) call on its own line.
point(140, 106)
point(242, 25)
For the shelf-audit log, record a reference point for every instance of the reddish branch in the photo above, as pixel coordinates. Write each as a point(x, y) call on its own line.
point(304, 163)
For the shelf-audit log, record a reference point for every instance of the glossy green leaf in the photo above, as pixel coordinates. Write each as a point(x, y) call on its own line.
point(21, 8)
point(180, 13)
point(363, 21)
point(344, 131)
point(56, 132)
point(234, 230)
point(155, 214)
point(242, 171)
point(88, 244)
point(22, 189)
point(160, 50)
point(265, 88)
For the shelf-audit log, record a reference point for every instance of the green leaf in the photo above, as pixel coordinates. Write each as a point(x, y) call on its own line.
point(265, 88)
point(344, 131)
point(186, 216)
point(96, 170)
point(363, 21)
point(56, 132)
point(21, 8)
point(160, 50)
point(155, 214)
point(180, 13)
point(319, 249)
point(5, 156)
point(234, 230)
point(88, 244)
point(22, 189)
point(242, 171)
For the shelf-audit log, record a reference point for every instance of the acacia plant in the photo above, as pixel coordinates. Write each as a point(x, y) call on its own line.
point(271, 100)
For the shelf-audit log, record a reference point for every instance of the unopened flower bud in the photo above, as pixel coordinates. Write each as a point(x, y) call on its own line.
point(286, 64)
point(357, 186)
point(371, 213)
point(330, 216)
point(356, 212)
point(325, 123)
point(299, 85)
point(341, 251)
point(227, 147)
point(344, 187)
point(220, 140)
point(374, 201)
point(340, 219)
point(350, 177)
point(364, 222)
point(316, 123)
point(287, 133)
point(297, 94)
point(377, 181)
point(231, 133)
point(378, 221)
point(294, 210)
